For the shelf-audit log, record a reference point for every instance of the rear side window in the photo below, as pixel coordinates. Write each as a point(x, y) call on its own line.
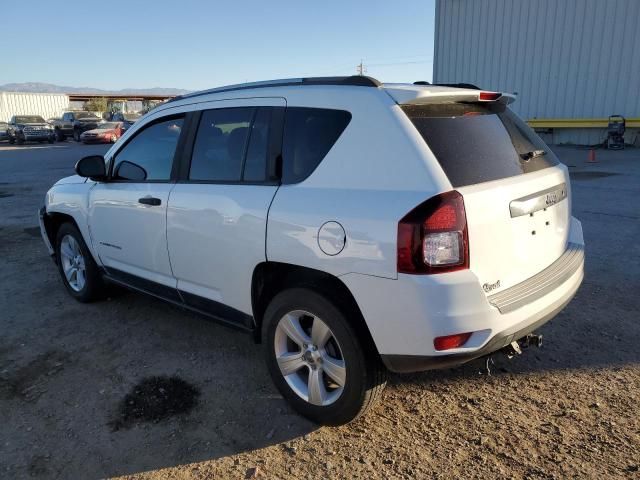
point(220, 145)
point(309, 134)
point(255, 165)
point(477, 143)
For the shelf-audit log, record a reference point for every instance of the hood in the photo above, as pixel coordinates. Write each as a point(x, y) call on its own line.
point(70, 180)
point(88, 120)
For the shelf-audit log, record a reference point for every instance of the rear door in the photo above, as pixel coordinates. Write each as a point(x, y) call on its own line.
point(516, 192)
point(217, 215)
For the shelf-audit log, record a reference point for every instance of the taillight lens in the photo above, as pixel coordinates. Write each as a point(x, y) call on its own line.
point(432, 238)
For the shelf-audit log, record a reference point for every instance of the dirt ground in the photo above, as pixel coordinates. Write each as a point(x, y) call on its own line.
point(75, 379)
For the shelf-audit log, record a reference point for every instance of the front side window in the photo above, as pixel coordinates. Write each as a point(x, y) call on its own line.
point(309, 134)
point(149, 155)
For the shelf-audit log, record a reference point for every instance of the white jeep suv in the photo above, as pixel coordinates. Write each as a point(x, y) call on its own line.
point(352, 227)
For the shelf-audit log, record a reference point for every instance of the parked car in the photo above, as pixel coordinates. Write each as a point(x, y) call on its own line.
point(127, 119)
point(107, 132)
point(26, 128)
point(352, 227)
point(74, 124)
point(4, 135)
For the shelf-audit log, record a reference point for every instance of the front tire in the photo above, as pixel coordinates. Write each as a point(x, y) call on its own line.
point(317, 360)
point(80, 274)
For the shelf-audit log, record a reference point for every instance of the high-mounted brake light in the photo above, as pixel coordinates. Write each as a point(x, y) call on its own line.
point(432, 238)
point(489, 96)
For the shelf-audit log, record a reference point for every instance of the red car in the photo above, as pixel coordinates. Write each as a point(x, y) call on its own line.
point(107, 132)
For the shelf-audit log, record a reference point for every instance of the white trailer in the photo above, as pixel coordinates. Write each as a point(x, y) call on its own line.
point(47, 105)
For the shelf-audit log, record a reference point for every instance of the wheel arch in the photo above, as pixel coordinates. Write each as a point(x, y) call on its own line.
point(271, 278)
point(52, 223)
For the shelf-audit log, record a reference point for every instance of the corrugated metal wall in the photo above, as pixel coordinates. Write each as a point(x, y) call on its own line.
point(564, 58)
point(47, 105)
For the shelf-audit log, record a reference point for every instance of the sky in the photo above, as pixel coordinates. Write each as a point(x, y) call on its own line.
point(197, 44)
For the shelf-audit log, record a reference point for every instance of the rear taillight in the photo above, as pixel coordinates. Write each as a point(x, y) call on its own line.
point(432, 238)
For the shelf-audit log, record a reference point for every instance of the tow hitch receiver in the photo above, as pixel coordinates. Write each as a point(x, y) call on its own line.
point(516, 347)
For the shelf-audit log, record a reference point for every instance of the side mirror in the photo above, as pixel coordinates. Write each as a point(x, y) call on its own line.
point(130, 171)
point(92, 167)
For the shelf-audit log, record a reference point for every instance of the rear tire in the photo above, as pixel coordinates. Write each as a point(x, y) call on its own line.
point(83, 279)
point(332, 378)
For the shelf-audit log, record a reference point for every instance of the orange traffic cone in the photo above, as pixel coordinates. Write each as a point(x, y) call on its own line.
point(592, 156)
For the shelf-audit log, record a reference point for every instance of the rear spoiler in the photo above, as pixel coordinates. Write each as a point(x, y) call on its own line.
point(438, 94)
point(462, 97)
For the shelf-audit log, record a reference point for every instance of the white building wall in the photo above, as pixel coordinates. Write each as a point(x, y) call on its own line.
point(47, 105)
point(564, 58)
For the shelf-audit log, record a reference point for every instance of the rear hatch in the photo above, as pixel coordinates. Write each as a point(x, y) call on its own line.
point(516, 192)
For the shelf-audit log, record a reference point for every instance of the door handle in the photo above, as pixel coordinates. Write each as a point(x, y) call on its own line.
point(150, 201)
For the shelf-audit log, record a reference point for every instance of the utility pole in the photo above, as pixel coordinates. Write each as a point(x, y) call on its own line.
point(361, 69)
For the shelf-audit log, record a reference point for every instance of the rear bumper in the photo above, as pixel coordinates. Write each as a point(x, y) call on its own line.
point(416, 363)
point(405, 315)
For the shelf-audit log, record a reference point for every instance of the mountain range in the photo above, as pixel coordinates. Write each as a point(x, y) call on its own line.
point(35, 87)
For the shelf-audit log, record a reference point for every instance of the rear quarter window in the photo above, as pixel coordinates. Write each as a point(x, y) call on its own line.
point(475, 142)
point(309, 134)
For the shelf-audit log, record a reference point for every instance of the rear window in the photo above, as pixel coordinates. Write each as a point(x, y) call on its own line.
point(475, 142)
point(309, 134)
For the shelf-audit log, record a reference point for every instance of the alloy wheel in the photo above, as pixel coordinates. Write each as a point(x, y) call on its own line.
point(73, 263)
point(310, 358)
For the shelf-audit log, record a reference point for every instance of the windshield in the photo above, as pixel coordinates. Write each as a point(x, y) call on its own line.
point(479, 142)
point(30, 119)
point(85, 115)
point(131, 116)
point(108, 125)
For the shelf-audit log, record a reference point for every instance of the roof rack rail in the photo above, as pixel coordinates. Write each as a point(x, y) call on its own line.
point(458, 85)
point(421, 82)
point(354, 80)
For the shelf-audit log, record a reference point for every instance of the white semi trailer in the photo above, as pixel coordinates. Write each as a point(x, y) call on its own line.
point(47, 105)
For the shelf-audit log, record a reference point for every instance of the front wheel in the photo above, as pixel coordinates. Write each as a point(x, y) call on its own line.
point(317, 360)
point(78, 270)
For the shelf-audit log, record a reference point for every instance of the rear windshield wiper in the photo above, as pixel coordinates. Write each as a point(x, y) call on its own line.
point(532, 154)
